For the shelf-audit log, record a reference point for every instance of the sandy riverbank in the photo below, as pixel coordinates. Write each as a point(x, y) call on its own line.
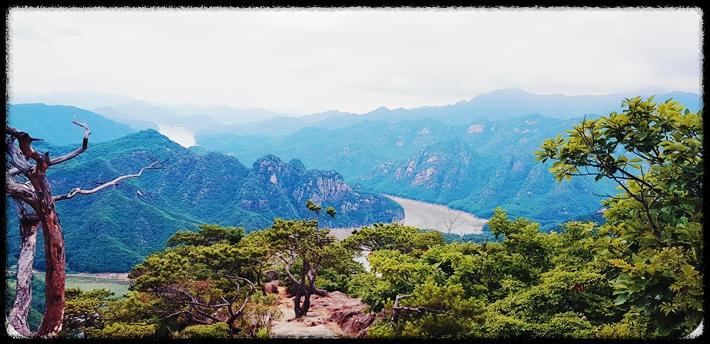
point(429, 216)
point(434, 216)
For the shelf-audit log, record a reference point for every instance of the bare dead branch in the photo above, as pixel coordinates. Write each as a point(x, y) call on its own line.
point(84, 145)
point(450, 225)
point(114, 182)
point(29, 223)
point(21, 191)
point(36, 192)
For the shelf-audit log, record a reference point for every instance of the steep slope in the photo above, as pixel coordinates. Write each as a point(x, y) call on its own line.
point(474, 167)
point(113, 230)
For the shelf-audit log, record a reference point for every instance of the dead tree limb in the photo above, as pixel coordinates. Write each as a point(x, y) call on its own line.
point(28, 246)
point(175, 294)
point(114, 182)
point(450, 225)
point(37, 193)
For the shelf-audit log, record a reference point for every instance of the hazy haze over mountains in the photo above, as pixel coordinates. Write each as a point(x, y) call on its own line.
point(472, 155)
point(495, 105)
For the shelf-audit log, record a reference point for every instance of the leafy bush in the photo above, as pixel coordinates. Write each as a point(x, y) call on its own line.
point(218, 330)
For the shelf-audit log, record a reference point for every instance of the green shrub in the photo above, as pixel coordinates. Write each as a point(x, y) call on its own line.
point(218, 330)
point(123, 331)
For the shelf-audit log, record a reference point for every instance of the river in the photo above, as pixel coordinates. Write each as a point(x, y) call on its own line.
point(182, 135)
point(426, 216)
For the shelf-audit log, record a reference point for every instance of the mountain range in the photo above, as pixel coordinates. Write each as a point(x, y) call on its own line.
point(473, 167)
point(473, 155)
point(114, 229)
point(54, 123)
point(496, 105)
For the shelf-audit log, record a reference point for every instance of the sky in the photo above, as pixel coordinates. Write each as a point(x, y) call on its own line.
point(303, 61)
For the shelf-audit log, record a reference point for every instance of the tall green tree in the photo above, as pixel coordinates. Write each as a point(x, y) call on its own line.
point(302, 241)
point(654, 229)
point(204, 278)
point(549, 285)
point(84, 310)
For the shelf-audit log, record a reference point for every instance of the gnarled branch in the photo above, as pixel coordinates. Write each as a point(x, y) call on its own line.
point(105, 185)
point(84, 145)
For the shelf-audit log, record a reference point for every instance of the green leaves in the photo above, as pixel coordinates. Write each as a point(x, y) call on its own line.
point(392, 236)
point(208, 235)
point(654, 152)
point(313, 207)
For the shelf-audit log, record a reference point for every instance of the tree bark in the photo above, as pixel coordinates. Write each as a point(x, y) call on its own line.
point(43, 205)
point(55, 274)
point(23, 295)
point(37, 193)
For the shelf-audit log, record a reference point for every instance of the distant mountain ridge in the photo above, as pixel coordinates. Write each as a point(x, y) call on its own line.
point(82, 99)
point(496, 105)
point(93, 100)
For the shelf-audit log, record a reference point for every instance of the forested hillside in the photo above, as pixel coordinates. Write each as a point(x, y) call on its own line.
point(639, 275)
point(474, 167)
point(115, 229)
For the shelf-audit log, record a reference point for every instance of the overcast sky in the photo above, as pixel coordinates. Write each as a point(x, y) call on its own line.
point(355, 60)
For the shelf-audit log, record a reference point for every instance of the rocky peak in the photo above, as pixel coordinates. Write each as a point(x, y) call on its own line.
point(269, 164)
point(273, 169)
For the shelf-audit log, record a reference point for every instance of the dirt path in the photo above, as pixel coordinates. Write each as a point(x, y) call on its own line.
point(317, 323)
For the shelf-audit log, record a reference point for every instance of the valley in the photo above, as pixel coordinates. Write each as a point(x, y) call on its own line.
point(418, 177)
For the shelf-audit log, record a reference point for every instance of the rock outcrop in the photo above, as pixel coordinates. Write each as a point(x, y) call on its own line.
point(332, 316)
point(352, 321)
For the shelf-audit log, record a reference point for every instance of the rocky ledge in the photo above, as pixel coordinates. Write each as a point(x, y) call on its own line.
point(335, 315)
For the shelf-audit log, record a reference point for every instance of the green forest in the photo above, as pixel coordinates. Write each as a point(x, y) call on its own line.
point(115, 229)
point(637, 272)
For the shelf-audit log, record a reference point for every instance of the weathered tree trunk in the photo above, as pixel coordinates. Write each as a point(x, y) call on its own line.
point(28, 246)
point(305, 290)
point(301, 291)
point(55, 273)
point(37, 194)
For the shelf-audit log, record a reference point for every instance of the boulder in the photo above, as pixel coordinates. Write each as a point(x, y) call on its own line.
point(271, 287)
point(352, 321)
